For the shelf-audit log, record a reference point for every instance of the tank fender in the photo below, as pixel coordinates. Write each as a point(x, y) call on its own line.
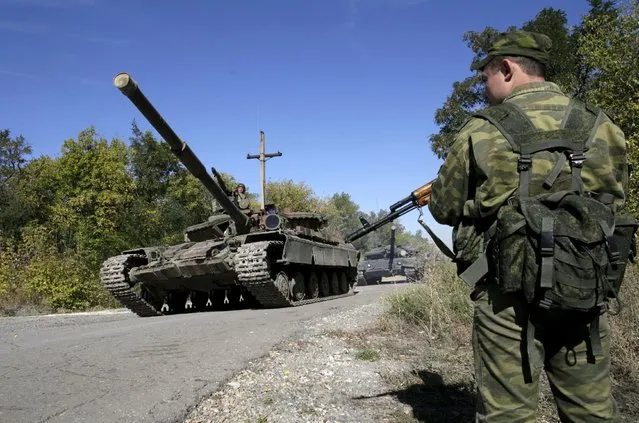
point(299, 250)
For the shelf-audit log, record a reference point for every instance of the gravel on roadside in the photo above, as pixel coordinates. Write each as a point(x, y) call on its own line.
point(318, 376)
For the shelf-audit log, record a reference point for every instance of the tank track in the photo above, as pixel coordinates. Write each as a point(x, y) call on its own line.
point(114, 275)
point(253, 272)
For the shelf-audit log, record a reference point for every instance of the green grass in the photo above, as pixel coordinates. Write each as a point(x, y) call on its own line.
point(367, 354)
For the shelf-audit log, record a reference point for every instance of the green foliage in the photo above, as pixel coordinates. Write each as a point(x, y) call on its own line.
point(38, 187)
point(609, 49)
point(468, 95)
point(11, 286)
point(94, 191)
point(13, 213)
point(79, 202)
point(12, 155)
point(342, 213)
point(37, 273)
point(290, 195)
point(152, 164)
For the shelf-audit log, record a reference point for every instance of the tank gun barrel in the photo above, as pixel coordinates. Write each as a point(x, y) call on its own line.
point(127, 85)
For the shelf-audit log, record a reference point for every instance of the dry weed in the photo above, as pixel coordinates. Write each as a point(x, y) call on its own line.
point(439, 305)
point(438, 313)
point(625, 345)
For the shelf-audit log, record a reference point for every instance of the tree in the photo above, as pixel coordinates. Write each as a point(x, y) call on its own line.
point(152, 164)
point(38, 187)
point(13, 213)
point(293, 196)
point(12, 156)
point(342, 213)
point(468, 95)
point(93, 196)
point(79, 202)
point(608, 48)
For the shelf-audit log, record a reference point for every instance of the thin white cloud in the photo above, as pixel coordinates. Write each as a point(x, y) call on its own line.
point(22, 27)
point(354, 8)
point(38, 29)
point(18, 74)
point(404, 2)
point(89, 80)
point(103, 40)
point(52, 4)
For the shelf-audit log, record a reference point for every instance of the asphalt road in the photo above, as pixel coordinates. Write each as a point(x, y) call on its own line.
point(117, 367)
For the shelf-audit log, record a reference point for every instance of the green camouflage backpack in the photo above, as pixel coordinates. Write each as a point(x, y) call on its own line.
point(565, 248)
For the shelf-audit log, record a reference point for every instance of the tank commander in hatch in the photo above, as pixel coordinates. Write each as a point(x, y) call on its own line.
point(240, 197)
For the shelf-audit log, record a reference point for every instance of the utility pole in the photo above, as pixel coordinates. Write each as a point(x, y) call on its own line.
point(262, 157)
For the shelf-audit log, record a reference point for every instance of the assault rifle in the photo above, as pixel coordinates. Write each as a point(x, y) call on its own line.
point(415, 200)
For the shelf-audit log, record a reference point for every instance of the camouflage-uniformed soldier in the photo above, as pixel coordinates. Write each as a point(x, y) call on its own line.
point(241, 197)
point(478, 176)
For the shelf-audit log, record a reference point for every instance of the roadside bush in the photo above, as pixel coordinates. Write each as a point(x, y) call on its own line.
point(439, 305)
point(36, 274)
point(13, 293)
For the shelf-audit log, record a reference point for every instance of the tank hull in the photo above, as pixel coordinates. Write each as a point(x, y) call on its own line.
point(376, 271)
point(258, 270)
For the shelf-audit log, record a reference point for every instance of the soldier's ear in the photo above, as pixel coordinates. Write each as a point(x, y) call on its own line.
point(506, 69)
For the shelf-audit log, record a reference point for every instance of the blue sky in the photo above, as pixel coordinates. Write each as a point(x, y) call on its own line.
point(345, 89)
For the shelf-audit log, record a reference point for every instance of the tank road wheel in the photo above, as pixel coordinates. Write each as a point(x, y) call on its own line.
point(334, 283)
point(312, 285)
point(283, 284)
point(297, 286)
point(343, 283)
point(324, 285)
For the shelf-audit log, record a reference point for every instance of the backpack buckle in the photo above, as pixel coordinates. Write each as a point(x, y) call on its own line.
point(577, 159)
point(547, 242)
point(545, 304)
point(547, 251)
point(524, 163)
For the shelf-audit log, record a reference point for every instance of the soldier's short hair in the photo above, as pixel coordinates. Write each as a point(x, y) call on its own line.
point(528, 65)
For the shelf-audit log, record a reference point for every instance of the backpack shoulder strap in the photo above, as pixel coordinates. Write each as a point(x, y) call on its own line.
point(579, 127)
point(510, 120)
point(515, 126)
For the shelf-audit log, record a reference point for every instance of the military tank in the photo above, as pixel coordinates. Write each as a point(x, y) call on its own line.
point(268, 257)
point(392, 263)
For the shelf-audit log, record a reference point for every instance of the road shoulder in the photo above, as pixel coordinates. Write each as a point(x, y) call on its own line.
point(344, 369)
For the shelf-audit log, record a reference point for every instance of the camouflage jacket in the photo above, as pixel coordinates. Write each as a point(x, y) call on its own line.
point(480, 170)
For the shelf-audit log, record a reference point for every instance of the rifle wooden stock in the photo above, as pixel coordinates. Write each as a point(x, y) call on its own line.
point(422, 194)
point(418, 198)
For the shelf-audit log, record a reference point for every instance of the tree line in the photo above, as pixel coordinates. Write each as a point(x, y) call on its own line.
point(62, 217)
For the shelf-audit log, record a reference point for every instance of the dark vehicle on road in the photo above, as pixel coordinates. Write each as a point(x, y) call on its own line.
point(388, 264)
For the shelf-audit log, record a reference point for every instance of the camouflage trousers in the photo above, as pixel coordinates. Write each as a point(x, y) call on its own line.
point(582, 390)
